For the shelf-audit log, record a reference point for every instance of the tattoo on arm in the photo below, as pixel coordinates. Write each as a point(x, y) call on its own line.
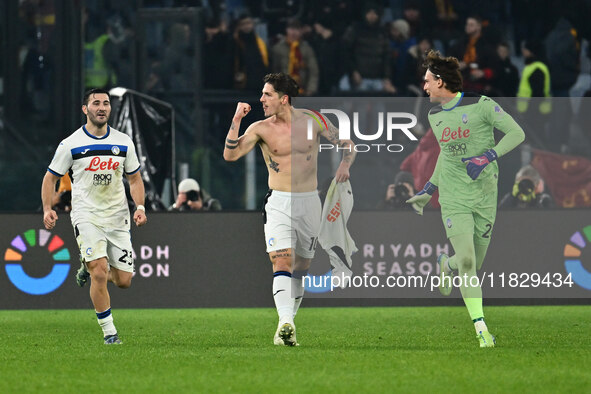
point(233, 126)
point(273, 164)
point(333, 136)
point(231, 144)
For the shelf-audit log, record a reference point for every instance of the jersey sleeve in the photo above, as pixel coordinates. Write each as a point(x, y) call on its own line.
point(62, 160)
point(497, 117)
point(132, 164)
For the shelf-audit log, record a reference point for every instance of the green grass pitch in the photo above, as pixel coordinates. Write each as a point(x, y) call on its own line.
point(397, 349)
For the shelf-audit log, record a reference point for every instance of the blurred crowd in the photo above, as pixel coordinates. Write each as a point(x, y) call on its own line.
point(330, 46)
point(340, 45)
point(506, 48)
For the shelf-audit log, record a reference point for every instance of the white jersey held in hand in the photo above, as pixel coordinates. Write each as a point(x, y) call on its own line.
point(98, 164)
point(334, 236)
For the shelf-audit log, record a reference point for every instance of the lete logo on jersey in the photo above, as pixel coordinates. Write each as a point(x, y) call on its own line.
point(97, 164)
point(449, 135)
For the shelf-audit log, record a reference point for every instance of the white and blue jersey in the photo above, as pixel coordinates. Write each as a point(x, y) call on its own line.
point(98, 164)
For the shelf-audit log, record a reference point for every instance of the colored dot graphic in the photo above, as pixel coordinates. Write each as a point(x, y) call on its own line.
point(572, 254)
point(17, 252)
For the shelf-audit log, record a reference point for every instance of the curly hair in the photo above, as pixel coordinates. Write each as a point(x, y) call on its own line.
point(445, 68)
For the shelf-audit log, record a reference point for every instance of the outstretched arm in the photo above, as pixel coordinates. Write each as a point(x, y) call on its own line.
point(348, 148)
point(236, 147)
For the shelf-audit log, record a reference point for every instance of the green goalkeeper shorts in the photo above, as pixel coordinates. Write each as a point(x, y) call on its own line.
point(477, 220)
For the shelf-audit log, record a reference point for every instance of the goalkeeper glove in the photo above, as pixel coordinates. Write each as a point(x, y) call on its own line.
point(422, 198)
point(477, 163)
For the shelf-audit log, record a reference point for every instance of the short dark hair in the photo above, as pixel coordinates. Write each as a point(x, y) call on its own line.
point(445, 68)
point(283, 84)
point(90, 92)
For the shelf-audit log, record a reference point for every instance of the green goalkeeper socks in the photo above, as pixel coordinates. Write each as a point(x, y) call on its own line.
point(464, 261)
point(474, 306)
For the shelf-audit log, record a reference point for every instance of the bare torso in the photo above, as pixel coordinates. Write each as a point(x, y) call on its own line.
point(291, 158)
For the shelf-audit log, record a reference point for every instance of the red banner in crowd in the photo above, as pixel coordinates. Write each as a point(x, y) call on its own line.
point(568, 178)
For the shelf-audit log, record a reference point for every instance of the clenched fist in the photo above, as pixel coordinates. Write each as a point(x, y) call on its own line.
point(241, 110)
point(139, 217)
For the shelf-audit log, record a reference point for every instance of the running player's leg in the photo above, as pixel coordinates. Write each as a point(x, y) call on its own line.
point(306, 214)
point(484, 219)
point(462, 230)
point(300, 270)
point(283, 262)
point(282, 291)
point(82, 274)
point(480, 254)
point(120, 257)
point(280, 240)
point(99, 274)
point(459, 225)
point(465, 260)
point(121, 279)
point(92, 242)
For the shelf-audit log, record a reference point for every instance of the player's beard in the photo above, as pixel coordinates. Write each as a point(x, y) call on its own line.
point(93, 119)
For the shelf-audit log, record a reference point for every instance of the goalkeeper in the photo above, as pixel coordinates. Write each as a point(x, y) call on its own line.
point(466, 175)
